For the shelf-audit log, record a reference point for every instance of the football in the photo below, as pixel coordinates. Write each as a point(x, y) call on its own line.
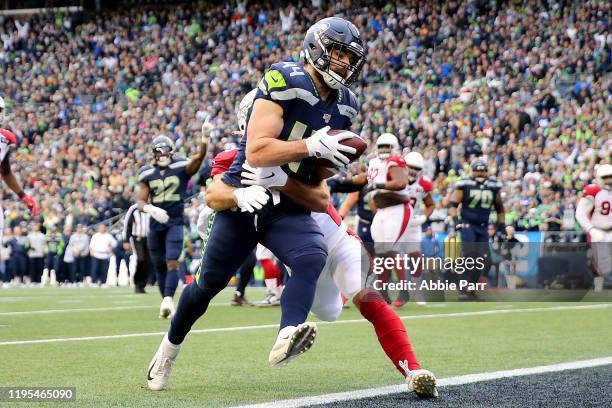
point(325, 168)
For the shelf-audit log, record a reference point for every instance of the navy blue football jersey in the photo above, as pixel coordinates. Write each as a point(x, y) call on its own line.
point(167, 186)
point(290, 85)
point(478, 199)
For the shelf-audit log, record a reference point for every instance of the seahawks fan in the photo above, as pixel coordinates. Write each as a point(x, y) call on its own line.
point(163, 187)
point(295, 106)
point(477, 195)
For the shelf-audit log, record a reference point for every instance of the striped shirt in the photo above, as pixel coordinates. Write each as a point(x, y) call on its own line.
point(135, 224)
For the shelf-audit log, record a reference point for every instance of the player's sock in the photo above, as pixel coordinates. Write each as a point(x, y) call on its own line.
point(300, 289)
point(391, 332)
point(171, 282)
point(271, 273)
point(191, 306)
point(246, 274)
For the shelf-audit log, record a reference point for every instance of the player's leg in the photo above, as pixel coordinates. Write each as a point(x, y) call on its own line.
point(298, 242)
point(231, 238)
point(155, 243)
point(469, 250)
point(246, 273)
point(173, 245)
point(327, 304)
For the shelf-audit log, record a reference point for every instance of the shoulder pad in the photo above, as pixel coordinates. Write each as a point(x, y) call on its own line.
point(492, 182)
point(283, 82)
point(465, 181)
point(8, 136)
point(426, 184)
point(591, 191)
point(178, 162)
point(222, 162)
point(348, 104)
point(144, 172)
point(396, 161)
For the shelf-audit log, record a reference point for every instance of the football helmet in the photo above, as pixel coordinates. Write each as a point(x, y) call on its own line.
point(604, 176)
point(325, 42)
point(163, 149)
point(243, 109)
point(480, 170)
point(415, 163)
point(386, 145)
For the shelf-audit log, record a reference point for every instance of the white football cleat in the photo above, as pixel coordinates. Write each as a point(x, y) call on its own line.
point(166, 309)
point(291, 342)
point(161, 365)
point(423, 383)
point(270, 300)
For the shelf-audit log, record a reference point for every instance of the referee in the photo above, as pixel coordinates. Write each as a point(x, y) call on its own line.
point(135, 230)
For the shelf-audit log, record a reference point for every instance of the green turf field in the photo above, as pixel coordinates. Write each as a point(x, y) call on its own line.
point(229, 367)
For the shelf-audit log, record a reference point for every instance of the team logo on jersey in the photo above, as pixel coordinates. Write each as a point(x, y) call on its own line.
point(326, 117)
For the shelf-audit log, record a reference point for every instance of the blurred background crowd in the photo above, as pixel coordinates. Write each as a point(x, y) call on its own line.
point(523, 84)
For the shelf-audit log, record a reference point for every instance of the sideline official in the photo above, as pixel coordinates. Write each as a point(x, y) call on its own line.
point(135, 231)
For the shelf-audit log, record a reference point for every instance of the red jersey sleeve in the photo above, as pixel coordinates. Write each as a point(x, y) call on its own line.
point(426, 184)
point(591, 191)
point(8, 136)
point(222, 162)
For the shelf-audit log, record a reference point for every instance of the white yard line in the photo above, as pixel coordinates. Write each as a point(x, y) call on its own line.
point(89, 309)
point(271, 326)
point(458, 380)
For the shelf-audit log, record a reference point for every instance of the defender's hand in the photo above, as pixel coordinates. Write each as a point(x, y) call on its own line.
point(32, 204)
point(251, 198)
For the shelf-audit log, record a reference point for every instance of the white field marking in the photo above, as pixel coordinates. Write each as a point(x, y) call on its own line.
point(271, 326)
point(69, 301)
point(444, 382)
point(88, 309)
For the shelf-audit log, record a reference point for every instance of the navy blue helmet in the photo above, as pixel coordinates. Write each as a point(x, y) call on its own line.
point(480, 170)
point(325, 44)
point(163, 149)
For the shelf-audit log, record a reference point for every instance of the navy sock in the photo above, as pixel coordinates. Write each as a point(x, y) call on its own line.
point(171, 282)
point(299, 291)
point(192, 304)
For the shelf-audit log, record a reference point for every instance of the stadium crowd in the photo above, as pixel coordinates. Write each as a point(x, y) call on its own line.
point(525, 85)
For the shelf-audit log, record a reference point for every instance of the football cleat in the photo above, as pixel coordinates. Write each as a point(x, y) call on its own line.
point(161, 365)
point(270, 300)
point(239, 300)
point(166, 309)
point(291, 342)
point(422, 383)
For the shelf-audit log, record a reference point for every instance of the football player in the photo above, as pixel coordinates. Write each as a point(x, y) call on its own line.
point(162, 192)
point(294, 108)
point(387, 179)
point(594, 214)
point(7, 141)
point(477, 195)
point(345, 272)
point(418, 191)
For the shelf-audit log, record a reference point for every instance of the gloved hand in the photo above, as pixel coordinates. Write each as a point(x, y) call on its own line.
point(31, 203)
point(325, 146)
point(251, 198)
point(267, 177)
point(159, 214)
point(207, 129)
point(202, 224)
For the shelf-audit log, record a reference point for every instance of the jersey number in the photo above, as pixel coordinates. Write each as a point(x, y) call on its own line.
point(297, 133)
point(164, 190)
point(605, 208)
point(484, 198)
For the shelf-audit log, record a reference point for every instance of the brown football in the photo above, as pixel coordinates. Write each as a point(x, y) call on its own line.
point(354, 140)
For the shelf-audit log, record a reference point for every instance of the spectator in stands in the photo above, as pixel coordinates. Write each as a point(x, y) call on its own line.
point(101, 249)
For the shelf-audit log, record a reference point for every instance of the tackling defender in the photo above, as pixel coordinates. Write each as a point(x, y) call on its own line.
point(594, 214)
point(164, 185)
point(7, 141)
point(345, 273)
point(294, 108)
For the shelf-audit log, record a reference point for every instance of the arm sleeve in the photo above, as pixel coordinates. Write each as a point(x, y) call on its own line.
point(583, 211)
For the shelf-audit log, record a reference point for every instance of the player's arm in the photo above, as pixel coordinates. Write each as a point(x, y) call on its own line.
point(195, 162)
point(499, 209)
point(347, 184)
point(399, 180)
point(142, 198)
point(429, 205)
point(583, 209)
point(220, 196)
point(11, 181)
point(348, 204)
point(455, 199)
point(313, 198)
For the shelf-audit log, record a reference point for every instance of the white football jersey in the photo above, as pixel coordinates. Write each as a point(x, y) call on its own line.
point(601, 216)
point(377, 170)
point(417, 191)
